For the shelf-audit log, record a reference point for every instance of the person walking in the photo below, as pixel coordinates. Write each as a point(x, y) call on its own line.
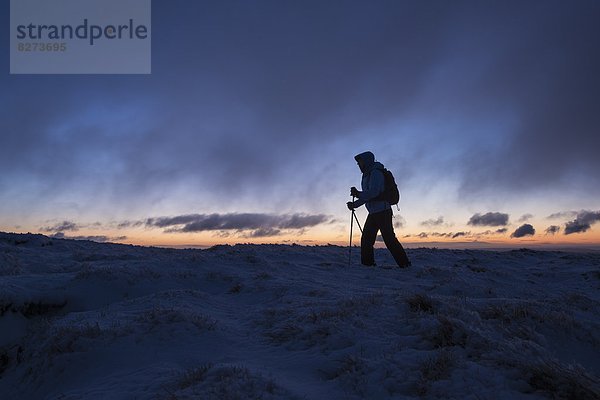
point(380, 212)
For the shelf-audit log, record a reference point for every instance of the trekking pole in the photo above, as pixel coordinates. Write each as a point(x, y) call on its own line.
point(350, 246)
point(356, 218)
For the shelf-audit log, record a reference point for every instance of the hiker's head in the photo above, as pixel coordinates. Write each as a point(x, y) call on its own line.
point(365, 160)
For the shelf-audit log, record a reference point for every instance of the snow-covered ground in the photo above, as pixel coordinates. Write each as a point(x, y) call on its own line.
point(83, 320)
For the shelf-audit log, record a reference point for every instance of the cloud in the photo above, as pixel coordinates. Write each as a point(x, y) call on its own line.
point(271, 87)
point(552, 117)
point(399, 221)
point(459, 234)
point(129, 224)
point(432, 223)
point(552, 229)
point(495, 232)
point(299, 221)
point(583, 222)
point(97, 238)
point(61, 227)
point(489, 219)
point(260, 224)
point(523, 230)
point(562, 215)
point(274, 86)
point(525, 217)
point(449, 235)
point(441, 234)
point(263, 232)
point(164, 222)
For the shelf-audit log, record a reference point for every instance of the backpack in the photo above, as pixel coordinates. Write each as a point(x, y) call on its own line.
point(390, 193)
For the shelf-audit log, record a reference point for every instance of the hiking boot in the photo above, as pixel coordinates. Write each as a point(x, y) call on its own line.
point(369, 265)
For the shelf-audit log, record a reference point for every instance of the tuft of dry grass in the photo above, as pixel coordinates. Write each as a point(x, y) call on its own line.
point(193, 376)
point(213, 382)
point(563, 382)
point(437, 367)
point(66, 338)
point(352, 371)
point(476, 269)
point(4, 360)
point(237, 288)
point(32, 309)
point(284, 334)
point(420, 303)
point(448, 333)
point(263, 275)
point(158, 316)
point(543, 313)
point(434, 369)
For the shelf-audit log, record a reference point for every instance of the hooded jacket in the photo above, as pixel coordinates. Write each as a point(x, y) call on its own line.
point(372, 184)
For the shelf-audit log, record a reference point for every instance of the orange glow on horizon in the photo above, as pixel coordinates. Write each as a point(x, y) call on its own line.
point(207, 239)
point(333, 234)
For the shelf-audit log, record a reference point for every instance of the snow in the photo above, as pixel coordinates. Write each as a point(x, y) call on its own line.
point(83, 320)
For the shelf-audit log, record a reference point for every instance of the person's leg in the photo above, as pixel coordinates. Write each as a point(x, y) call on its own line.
point(367, 240)
point(390, 240)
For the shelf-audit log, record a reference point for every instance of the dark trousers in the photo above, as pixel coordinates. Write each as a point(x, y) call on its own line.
point(381, 221)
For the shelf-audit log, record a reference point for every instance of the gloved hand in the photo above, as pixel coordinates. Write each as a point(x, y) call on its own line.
point(350, 205)
point(353, 191)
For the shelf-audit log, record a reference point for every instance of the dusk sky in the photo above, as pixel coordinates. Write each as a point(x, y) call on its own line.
point(487, 113)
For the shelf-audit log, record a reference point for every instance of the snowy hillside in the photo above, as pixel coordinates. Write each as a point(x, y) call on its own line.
point(83, 320)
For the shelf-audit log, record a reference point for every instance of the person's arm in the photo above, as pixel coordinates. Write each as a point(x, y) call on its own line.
point(376, 183)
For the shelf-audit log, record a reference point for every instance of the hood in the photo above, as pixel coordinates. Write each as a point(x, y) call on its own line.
point(377, 165)
point(368, 159)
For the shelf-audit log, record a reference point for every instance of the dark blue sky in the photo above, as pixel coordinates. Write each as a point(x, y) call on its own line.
point(259, 107)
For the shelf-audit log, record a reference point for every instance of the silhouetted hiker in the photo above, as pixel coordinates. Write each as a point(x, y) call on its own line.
point(380, 212)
